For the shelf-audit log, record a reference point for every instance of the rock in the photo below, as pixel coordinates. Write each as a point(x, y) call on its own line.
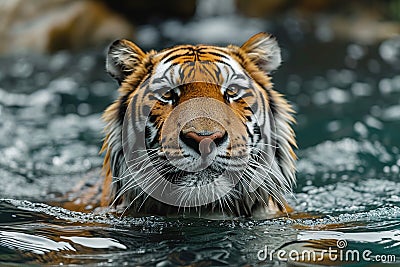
point(142, 12)
point(49, 25)
point(260, 8)
point(364, 29)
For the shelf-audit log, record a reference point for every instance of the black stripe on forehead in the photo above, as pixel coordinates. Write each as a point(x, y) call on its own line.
point(169, 51)
point(211, 71)
point(204, 51)
point(239, 76)
point(187, 68)
point(171, 58)
point(197, 53)
point(215, 61)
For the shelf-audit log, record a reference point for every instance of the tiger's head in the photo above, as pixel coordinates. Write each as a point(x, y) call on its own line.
point(198, 128)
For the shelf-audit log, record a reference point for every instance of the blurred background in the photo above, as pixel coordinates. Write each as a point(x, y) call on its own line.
point(46, 26)
point(340, 71)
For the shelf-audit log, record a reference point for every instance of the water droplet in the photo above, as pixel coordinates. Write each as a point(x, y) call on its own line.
point(82, 93)
point(87, 63)
point(373, 122)
point(376, 111)
point(59, 61)
point(333, 126)
point(324, 31)
point(22, 69)
point(385, 86)
point(360, 128)
point(356, 51)
point(391, 113)
point(83, 109)
point(396, 83)
point(320, 98)
point(148, 35)
point(361, 89)
point(386, 169)
point(395, 169)
point(64, 85)
point(338, 96)
point(389, 50)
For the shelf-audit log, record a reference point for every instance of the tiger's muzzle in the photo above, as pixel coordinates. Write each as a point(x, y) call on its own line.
point(203, 135)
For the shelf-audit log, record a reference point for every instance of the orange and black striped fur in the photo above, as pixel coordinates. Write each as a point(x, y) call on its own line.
point(194, 115)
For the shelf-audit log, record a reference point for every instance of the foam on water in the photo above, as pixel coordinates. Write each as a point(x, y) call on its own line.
point(40, 229)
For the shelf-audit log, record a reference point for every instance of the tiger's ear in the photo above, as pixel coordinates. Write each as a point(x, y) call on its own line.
point(122, 58)
point(264, 51)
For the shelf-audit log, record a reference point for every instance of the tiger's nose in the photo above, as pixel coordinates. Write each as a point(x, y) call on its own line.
point(204, 143)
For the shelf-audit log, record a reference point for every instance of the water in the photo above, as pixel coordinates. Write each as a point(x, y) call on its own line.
point(347, 99)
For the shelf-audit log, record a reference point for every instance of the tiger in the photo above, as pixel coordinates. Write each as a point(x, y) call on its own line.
point(198, 130)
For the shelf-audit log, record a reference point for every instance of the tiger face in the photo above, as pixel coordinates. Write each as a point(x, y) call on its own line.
point(198, 129)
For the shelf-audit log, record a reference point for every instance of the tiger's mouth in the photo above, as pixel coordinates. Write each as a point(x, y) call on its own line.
point(193, 179)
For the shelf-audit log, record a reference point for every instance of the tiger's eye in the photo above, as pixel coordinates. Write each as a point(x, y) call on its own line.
point(233, 90)
point(169, 95)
